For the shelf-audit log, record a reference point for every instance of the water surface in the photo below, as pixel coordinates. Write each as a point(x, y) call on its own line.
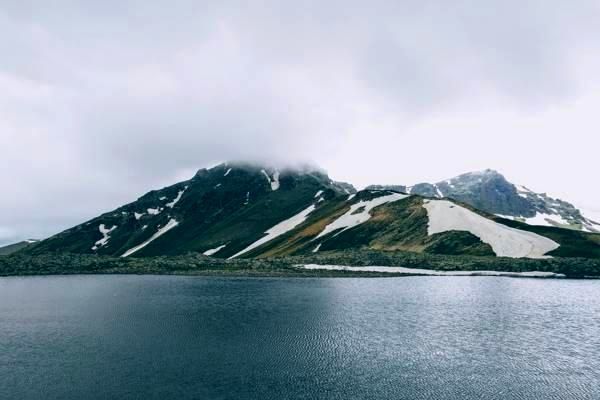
point(161, 337)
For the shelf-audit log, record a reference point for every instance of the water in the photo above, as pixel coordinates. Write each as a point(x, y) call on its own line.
point(153, 337)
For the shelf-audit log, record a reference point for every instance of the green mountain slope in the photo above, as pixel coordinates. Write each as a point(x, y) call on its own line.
point(231, 205)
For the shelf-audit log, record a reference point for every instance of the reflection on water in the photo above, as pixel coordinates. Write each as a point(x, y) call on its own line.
point(149, 337)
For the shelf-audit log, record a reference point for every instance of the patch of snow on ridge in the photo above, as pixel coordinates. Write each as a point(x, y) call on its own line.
point(161, 231)
point(154, 211)
point(351, 197)
point(162, 198)
point(446, 216)
point(105, 236)
point(228, 171)
point(438, 192)
point(176, 199)
point(544, 219)
point(273, 181)
point(592, 218)
point(316, 249)
point(431, 272)
point(210, 252)
point(138, 215)
point(353, 218)
point(279, 229)
point(320, 192)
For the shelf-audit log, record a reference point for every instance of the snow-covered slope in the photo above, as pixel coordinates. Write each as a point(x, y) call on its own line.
point(447, 216)
point(279, 229)
point(170, 225)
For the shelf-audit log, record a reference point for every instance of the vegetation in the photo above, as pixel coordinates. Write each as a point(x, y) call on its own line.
point(196, 264)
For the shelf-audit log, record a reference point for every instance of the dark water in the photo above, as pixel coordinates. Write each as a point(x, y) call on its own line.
point(132, 337)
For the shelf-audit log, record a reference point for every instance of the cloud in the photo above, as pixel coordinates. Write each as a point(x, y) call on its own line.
point(101, 102)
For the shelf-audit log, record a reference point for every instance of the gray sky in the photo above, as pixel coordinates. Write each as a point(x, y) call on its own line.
point(102, 101)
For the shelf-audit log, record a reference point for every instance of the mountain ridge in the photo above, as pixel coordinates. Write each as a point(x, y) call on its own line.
point(490, 191)
point(247, 210)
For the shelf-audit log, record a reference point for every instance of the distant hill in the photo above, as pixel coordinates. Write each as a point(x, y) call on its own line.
point(12, 248)
point(489, 191)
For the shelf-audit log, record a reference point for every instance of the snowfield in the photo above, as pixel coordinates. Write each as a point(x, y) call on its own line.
point(279, 229)
point(430, 272)
point(170, 225)
point(446, 216)
point(359, 213)
point(210, 252)
point(105, 236)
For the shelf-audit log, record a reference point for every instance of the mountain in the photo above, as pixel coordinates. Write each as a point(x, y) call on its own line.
point(489, 191)
point(14, 247)
point(239, 210)
point(232, 203)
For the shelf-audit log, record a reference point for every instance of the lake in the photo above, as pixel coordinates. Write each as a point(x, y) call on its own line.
point(167, 337)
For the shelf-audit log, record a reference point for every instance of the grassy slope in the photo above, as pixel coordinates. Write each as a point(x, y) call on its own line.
point(397, 226)
point(13, 248)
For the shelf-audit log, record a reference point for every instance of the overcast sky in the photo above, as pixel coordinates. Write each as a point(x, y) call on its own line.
point(101, 101)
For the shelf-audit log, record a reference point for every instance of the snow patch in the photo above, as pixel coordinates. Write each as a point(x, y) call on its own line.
point(279, 229)
point(438, 192)
point(353, 218)
point(446, 216)
point(317, 248)
point(247, 198)
point(176, 199)
point(274, 181)
point(430, 272)
point(138, 215)
point(163, 198)
point(154, 211)
point(210, 252)
point(544, 219)
point(351, 197)
point(320, 192)
point(105, 236)
point(170, 225)
point(228, 171)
